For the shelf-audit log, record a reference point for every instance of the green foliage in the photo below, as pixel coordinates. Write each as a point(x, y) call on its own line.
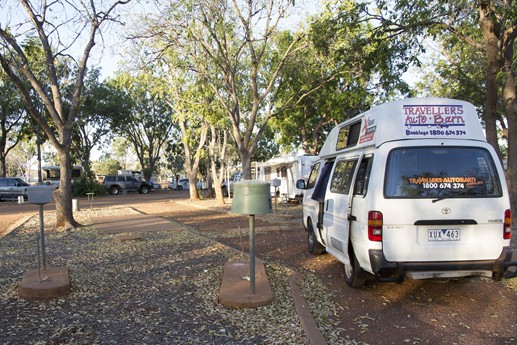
point(103, 107)
point(345, 68)
point(85, 185)
point(148, 125)
point(12, 119)
point(106, 166)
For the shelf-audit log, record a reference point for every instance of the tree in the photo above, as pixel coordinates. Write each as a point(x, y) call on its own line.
point(149, 125)
point(107, 165)
point(348, 68)
point(20, 162)
point(217, 144)
point(186, 97)
point(495, 36)
point(12, 120)
point(230, 46)
point(52, 23)
point(121, 150)
point(102, 108)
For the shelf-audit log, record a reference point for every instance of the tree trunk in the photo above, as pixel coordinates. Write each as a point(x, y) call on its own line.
point(192, 163)
point(63, 195)
point(493, 67)
point(217, 177)
point(510, 106)
point(246, 164)
point(2, 166)
point(192, 178)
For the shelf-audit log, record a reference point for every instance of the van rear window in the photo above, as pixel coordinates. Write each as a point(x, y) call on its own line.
point(441, 172)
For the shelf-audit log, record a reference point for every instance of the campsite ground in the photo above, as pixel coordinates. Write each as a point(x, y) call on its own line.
point(471, 310)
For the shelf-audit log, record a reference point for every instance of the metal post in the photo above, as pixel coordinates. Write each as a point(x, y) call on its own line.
point(42, 237)
point(276, 198)
point(38, 255)
point(252, 252)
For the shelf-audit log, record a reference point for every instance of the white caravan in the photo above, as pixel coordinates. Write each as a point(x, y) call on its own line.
point(410, 189)
point(288, 169)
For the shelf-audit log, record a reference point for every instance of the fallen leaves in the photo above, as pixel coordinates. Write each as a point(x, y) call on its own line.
point(162, 289)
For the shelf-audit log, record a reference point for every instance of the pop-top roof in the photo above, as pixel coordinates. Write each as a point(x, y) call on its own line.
point(407, 119)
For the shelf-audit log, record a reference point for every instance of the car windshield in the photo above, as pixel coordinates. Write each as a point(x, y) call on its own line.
point(441, 172)
point(22, 183)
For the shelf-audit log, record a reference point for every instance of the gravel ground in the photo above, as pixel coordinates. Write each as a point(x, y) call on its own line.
point(162, 289)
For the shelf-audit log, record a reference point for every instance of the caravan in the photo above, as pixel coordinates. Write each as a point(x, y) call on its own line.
point(286, 170)
point(410, 189)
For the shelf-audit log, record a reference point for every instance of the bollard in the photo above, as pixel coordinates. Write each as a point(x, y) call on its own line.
point(75, 205)
point(20, 199)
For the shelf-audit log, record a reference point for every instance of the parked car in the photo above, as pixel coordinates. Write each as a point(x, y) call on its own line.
point(228, 185)
point(12, 188)
point(183, 184)
point(118, 183)
point(155, 185)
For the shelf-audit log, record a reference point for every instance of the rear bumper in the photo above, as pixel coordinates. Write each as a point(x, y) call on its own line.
point(395, 271)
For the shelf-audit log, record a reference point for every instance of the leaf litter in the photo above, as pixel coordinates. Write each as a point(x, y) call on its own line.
point(162, 289)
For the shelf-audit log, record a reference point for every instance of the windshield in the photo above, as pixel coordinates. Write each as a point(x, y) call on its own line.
point(441, 172)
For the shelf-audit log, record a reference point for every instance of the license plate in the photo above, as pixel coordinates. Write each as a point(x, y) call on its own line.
point(443, 235)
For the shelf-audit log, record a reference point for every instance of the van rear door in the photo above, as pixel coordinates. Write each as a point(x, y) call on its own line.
point(443, 203)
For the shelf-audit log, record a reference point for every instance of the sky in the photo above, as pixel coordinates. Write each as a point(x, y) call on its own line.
point(110, 49)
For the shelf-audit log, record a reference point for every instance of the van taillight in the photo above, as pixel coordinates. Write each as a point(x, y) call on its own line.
point(375, 226)
point(507, 230)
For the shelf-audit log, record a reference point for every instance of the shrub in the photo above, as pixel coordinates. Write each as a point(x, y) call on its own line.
point(84, 185)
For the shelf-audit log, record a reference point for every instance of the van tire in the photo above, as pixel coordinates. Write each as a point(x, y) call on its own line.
point(313, 245)
point(354, 274)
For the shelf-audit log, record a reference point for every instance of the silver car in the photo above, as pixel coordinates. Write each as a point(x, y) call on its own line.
point(12, 188)
point(115, 184)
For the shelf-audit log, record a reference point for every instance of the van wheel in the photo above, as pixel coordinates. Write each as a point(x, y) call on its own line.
point(180, 188)
point(354, 274)
point(313, 245)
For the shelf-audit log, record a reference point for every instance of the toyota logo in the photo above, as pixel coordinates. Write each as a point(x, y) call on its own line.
point(446, 210)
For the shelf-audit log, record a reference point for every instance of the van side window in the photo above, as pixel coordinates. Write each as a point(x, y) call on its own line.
point(313, 177)
point(363, 176)
point(342, 177)
point(348, 136)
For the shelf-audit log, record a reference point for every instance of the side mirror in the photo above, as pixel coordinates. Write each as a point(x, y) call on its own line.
point(300, 184)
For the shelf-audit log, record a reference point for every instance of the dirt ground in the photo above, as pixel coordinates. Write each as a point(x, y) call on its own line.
point(468, 311)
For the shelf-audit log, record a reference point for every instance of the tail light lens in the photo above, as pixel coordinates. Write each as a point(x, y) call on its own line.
point(507, 230)
point(375, 226)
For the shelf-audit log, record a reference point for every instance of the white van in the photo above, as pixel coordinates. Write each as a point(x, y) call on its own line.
point(410, 188)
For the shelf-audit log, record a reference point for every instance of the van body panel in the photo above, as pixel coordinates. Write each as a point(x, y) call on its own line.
point(436, 183)
point(405, 241)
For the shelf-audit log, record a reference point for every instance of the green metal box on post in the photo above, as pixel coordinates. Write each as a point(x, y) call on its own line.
point(251, 197)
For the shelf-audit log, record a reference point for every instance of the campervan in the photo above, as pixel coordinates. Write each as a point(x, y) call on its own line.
point(287, 170)
point(410, 189)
